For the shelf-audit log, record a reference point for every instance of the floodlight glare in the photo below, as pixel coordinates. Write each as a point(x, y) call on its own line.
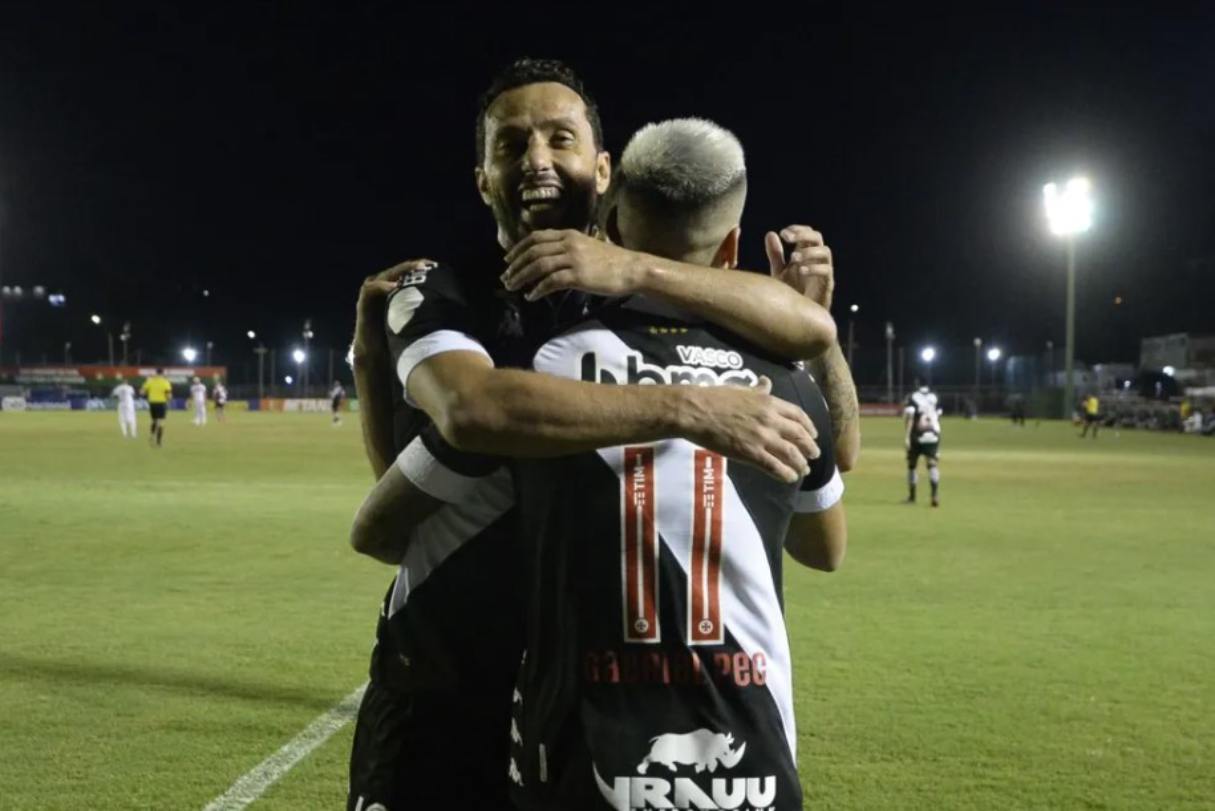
point(96, 319)
point(190, 354)
point(993, 354)
point(251, 334)
point(288, 380)
point(1169, 370)
point(298, 356)
point(1069, 210)
point(856, 308)
point(928, 354)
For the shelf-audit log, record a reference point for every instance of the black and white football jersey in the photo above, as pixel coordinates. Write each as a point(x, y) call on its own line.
point(657, 670)
point(921, 408)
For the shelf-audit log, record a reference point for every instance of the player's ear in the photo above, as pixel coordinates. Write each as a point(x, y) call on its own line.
point(603, 172)
point(727, 252)
point(482, 184)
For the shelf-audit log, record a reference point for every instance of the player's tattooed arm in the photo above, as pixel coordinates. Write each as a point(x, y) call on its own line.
point(373, 366)
point(810, 270)
point(835, 379)
point(765, 313)
point(526, 414)
point(387, 517)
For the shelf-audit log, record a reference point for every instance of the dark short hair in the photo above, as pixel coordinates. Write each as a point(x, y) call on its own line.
point(527, 71)
point(159, 370)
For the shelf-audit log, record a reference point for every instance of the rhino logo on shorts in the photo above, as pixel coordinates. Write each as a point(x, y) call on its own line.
point(704, 751)
point(701, 750)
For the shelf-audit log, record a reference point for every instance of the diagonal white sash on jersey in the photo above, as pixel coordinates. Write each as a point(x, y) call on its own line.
point(452, 526)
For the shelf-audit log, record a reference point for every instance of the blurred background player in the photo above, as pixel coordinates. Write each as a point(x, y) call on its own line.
point(125, 393)
point(220, 393)
point(198, 394)
point(923, 420)
point(336, 396)
point(1092, 415)
point(158, 390)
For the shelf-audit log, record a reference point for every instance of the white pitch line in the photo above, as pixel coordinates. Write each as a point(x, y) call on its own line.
point(265, 774)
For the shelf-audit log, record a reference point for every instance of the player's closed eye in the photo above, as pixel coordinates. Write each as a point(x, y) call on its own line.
point(506, 147)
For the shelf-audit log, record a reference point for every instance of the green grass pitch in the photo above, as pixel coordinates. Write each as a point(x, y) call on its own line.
point(1044, 640)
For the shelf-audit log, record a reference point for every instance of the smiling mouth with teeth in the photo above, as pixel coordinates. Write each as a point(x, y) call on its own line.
point(540, 194)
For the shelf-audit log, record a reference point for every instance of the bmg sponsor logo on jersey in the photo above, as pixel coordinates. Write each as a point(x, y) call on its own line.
point(699, 752)
point(697, 369)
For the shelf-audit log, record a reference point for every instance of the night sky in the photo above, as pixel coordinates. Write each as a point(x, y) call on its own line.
point(274, 154)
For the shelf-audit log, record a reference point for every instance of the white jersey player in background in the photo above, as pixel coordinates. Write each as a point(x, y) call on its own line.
point(125, 394)
point(198, 393)
point(922, 417)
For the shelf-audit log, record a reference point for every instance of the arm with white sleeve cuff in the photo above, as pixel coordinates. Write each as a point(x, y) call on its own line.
point(818, 533)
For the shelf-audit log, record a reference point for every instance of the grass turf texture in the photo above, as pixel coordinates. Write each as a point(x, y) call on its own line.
point(1046, 639)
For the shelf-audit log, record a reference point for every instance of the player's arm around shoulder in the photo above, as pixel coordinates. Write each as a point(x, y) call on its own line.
point(818, 533)
point(425, 476)
point(372, 365)
point(388, 516)
point(763, 310)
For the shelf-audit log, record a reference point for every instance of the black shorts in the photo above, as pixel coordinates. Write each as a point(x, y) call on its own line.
point(158, 410)
point(1091, 418)
point(336, 403)
point(427, 750)
point(220, 406)
point(929, 450)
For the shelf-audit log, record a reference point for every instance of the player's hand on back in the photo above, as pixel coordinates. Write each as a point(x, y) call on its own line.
point(571, 260)
point(749, 425)
point(369, 337)
point(808, 268)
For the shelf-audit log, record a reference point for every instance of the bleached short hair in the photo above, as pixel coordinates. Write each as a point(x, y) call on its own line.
point(684, 162)
point(679, 189)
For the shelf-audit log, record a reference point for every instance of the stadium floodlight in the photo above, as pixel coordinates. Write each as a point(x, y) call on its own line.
point(993, 354)
point(928, 354)
point(288, 380)
point(190, 354)
point(1169, 370)
point(299, 355)
point(96, 319)
point(856, 308)
point(1069, 211)
point(251, 334)
point(57, 300)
